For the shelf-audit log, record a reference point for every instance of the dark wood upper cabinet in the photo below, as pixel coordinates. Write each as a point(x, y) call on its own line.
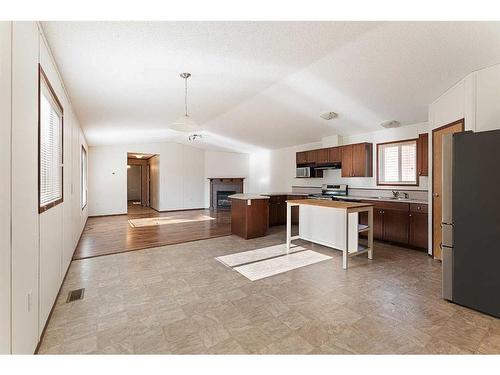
point(322, 156)
point(334, 155)
point(311, 156)
point(423, 154)
point(301, 157)
point(357, 160)
point(347, 167)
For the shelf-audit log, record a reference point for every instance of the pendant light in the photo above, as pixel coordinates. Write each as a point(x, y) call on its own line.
point(185, 123)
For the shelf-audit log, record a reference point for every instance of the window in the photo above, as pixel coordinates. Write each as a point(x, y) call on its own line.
point(50, 147)
point(397, 163)
point(83, 177)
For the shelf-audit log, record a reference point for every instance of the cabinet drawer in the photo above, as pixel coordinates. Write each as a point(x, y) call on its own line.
point(377, 205)
point(277, 198)
point(417, 207)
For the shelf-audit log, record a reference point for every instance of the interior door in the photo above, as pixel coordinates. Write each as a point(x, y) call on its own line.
point(437, 182)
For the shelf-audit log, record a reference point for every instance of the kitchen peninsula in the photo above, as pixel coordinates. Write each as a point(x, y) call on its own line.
point(333, 224)
point(249, 215)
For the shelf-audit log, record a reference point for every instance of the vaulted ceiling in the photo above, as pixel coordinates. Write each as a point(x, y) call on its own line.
point(261, 84)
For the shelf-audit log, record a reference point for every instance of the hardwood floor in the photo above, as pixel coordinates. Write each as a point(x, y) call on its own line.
point(114, 234)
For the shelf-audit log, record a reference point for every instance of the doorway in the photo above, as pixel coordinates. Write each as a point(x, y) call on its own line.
point(437, 181)
point(138, 182)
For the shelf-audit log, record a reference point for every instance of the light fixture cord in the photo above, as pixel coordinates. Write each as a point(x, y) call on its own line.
point(185, 96)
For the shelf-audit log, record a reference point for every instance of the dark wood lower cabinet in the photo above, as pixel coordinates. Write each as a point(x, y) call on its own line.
point(396, 226)
point(277, 209)
point(249, 218)
point(401, 223)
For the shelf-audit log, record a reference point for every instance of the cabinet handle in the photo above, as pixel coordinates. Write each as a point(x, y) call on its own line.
point(410, 214)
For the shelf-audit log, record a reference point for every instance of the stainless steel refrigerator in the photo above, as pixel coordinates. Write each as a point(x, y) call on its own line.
point(471, 220)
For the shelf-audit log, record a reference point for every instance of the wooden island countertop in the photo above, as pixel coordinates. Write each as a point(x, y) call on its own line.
point(328, 203)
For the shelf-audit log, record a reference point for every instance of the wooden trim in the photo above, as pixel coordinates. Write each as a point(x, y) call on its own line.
point(431, 142)
point(43, 76)
point(416, 166)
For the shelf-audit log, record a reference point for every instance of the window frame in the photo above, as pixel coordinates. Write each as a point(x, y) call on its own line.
point(399, 183)
point(43, 79)
point(84, 168)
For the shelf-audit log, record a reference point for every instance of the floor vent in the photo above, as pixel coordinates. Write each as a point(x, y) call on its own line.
point(75, 295)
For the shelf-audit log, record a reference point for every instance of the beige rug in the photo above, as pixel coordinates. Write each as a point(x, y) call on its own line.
point(165, 220)
point(251, 256)
point(274, 266)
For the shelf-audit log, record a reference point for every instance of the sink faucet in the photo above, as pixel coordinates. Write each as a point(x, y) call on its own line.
point(406, 195)
point(395, 194)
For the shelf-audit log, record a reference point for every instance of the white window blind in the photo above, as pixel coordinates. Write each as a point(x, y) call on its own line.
point(51, 148)
point(397, 163)
point(83, 176)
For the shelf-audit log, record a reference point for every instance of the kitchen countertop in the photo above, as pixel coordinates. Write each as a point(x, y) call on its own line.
point(284, 193)
point(384, 199)
point(328, 203)
point(247, 196)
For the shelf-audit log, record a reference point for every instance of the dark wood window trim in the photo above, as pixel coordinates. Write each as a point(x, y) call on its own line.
point(43, 76)
point(86, 176)
point(416, 161)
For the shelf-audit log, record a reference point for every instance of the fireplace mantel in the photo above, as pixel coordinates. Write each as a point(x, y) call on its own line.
point(224, 184)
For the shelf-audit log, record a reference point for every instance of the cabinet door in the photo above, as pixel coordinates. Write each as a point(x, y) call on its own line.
point(322, 156)
point(362, 160)
point(418, 230)
point(334, 155)
point(378, 223)
point(301, 157)
point(423, 156)
point(274, 214)
point(311, 156)
point(396, 226)
point(347, 170)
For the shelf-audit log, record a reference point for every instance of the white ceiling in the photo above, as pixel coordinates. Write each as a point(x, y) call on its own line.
point(261, 84)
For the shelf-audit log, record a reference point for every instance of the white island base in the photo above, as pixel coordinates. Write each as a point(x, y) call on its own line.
point(332, 224)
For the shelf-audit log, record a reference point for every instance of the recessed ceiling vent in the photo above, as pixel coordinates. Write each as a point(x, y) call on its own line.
point(328, 115)
point(390, 124)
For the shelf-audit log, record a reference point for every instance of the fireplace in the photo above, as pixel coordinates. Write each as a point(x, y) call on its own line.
point(222, 199)
point(221, 188)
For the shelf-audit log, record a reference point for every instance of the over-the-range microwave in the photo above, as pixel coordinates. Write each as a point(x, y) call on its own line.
point(303, 172)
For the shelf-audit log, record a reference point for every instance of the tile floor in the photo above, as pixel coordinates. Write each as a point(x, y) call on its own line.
point(179, 299)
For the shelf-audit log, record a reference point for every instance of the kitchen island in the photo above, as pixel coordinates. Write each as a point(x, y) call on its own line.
point(249, 215)
point(333, 224)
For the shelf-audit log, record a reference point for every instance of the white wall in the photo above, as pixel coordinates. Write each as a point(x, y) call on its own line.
point(5, 153)
point(225, 164)
point(25, 230)
point(181, 177)
point(42, 244)
point(475, 98)
point(274, 170)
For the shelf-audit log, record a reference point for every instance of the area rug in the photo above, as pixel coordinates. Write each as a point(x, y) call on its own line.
point(274, 266)
point(164, 220)
point(238, 259)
